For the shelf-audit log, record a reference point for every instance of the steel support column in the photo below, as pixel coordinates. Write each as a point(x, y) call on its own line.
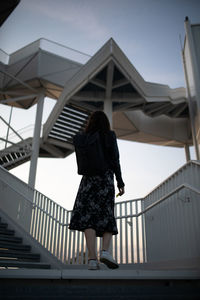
point(108, 100)
point(187, 152)
point(36, 142)
point(108, 110)
point(196, 78)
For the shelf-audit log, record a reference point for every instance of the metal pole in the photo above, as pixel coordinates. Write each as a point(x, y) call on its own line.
point(36, 142)
point(187, 152)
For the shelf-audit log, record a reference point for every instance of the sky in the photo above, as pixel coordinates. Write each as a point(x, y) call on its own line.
point(149, 32)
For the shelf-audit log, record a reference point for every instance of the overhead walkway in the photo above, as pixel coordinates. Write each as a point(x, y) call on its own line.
point(138, 110)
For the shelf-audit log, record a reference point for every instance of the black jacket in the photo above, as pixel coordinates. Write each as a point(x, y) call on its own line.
point(111, 152)
point(111, 155)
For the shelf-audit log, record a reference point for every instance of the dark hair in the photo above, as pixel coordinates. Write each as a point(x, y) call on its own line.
point(98, 121)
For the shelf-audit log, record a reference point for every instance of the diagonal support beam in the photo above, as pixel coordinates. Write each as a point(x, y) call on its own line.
point(12, 128)
point(20, 81)
point(109, 81)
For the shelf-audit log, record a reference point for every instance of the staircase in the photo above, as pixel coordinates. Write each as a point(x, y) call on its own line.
point(16, 155)
point(98, 289)
point(58, 143)
point(14, 254)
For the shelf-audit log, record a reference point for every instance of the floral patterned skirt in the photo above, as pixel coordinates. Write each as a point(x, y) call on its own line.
point(94, 205)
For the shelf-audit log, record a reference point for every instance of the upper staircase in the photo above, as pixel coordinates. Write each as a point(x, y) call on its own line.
point(59, 143)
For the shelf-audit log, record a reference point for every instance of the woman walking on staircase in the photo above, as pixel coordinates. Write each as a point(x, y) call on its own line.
point(93, 212)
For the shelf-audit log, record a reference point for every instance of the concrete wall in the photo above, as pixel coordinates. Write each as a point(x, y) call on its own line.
point(172, 227)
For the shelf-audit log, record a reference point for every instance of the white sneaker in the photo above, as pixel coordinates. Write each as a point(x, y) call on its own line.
point(107, 259)
point(93, 264)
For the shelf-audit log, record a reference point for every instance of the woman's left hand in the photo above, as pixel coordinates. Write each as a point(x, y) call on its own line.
point(121, 191)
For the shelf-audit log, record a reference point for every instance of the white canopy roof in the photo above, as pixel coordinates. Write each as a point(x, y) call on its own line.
point(142, 111)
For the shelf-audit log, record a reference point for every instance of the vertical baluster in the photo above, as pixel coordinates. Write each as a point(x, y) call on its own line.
point(69, 246)
point(121, 233)
point(37, 217)
point(143, 234)
point(116, 252)
point(66, 235)
point(82, 248)
point(42, 220)
point(77, 247)
point(59, 221)
point(35, 214)
point(137, 234)
point(126, 233)
point(62, 234)
point(74, 247)
point(47, 224)
point(131, 220)
point(52, 226)
point(55, 230)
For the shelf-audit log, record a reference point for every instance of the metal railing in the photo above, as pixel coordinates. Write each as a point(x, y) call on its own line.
point(48, 222)
point(16, 146)
point(69, 246)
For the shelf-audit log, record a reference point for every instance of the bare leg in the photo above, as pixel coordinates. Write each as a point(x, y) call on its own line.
point(90, 236)
point(106, 240)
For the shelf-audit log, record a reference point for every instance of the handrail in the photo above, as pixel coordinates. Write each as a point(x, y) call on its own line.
point(185, 185)
point(56, 43)
point(196, 162)
point(66, 47)
point(180, 187)
point(33, 190)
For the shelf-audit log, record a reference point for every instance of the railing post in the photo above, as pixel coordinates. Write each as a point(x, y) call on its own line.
point(36, 142)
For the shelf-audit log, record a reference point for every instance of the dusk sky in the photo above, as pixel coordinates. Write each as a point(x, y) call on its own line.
point(149, 32)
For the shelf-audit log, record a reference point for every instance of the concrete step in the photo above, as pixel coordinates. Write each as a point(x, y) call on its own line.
point(21, 264)
point(11, 239)
point(99, 289)
point(20, 256)
point(5, 231)
point(3, 225)
point(14, 246)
